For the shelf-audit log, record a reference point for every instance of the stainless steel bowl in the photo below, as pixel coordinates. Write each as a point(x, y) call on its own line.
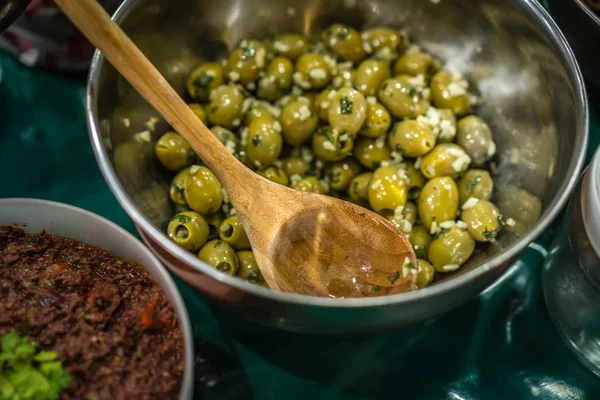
point(511, 51)
point(86, 227)
point(581, 27)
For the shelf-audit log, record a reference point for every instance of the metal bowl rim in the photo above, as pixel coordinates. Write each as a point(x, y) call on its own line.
point(543, 19)
point(172, 290)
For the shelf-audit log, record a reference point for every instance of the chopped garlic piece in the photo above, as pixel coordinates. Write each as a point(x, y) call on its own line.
point(470, 203)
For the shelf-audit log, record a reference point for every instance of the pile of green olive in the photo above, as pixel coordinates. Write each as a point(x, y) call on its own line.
point(364, 117)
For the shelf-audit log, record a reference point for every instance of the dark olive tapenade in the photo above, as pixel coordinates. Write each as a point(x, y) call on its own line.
point(110, 324)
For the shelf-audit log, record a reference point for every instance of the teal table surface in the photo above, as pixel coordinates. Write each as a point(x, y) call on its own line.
point(501, 345)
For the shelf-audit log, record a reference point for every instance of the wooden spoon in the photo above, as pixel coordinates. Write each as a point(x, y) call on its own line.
point(304, 243)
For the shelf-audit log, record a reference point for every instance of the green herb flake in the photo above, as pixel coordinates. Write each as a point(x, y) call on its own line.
point(385, 85)
point(473, 182)
point(377, 288)
point(363, 214)
point(394, 277)
point(256, 140)
point(214, 108)
point(27, 375)
point(419, 251)
point(182, 219)
point(412, 92)
point(255, 277)
point(203, 80)
point(399, 148)
point(342, 33)
point(218, 243)
point(346, 104)
point(501, 221)
point(491, 235)
point(249, 50)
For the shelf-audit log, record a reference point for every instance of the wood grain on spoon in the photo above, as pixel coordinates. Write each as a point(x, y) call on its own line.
point(304, 243)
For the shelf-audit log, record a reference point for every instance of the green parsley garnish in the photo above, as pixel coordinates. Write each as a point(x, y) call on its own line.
point(346, 104)
point(255, 277)
point(28, 374)
point(472, 183)
point(203, 80)
point(419, 251)
point(377, 288)
point(214, 108)
point(218, 243)
point(342, 33)
point(490, 235)
point(363, 214)
point(256, 140)
point(394, 277)
point(182, 219)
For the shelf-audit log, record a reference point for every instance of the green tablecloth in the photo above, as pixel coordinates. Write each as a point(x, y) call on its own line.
point(501, 345)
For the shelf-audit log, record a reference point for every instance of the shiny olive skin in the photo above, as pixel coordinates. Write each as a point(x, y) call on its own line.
point(199, 111)
point(387, 189)
point(420, 238)
point(416, 181)
point(232, 232)
point(413, 64)
point(359, 188)
point(476, 183)
point(174, 152)
point(382, 38)
point(345, 42)
point(426, 273)
point(410, 212)
point(203, 191)
point(447, 125)
point(330, 145)
point(438, 201)
point(476, 138)
point(483, 220)
point(246, 62)
point(298, 122)
point(291, 45)
point(446, 159)
point(295, 165)
point(370, 153)
point(520, 205)
point(277, 80)
point(342, 173)
point(248, 268)
point(323, 102)
point(226, 137)
point(398, 95)
point(214, 222)
point(257, 110)
point(225, 107)
point(264, 142)
point(377, 122)
point(177, 186)
point(312, 71)
point(189, 230)
point(343, 76)
point(451, 248)
point(411, 138)
point(348, 111)
point(274, 174)
point(309, 184)
point(203, 80)
point(442, 98)
point(370, 74)
point(219, 255)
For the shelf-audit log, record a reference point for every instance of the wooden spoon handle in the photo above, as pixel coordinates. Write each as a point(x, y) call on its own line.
point(93, 21)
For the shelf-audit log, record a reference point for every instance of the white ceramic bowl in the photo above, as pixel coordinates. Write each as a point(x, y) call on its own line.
point(86, 227)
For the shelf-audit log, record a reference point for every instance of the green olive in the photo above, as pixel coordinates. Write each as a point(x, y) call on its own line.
point(447, 126)
point(450, 93)
point(291, 45)
point(378, 120)
point(451, 249)
point(177, 187)
point(483, 220)
point(298, 122)
point(323, 102)
point(410, 212)
point(348, 111)
point(226, 137)
point(214, 222)
point(425, 275)
point(475, 183)
point(309, 184)
point(416, 181)
point(371, 152)
point(520, 206)
point(203, 80)
point(189, 230)
point(312, 71)
point(345, 42)
point(248, 268)
point(264, 142)
point(199, 111)
point(257, 110)
point(342, 173)
point(384, 43)
point(438, 201)
point(446, 159)
point(174, 152)
point(232, 232)
point(219, 255)
point(225, 107)
point(420, 238)
point(295, 165)
point(277, 80)
point(475, 137)
point(246, 62)
point(276, 175)
point(411, 138)
point(331, 145)
point(359, 188)
point(402, 99)
point(413, 64)
point(387, 189)
point(203, 191)
point(370, 74)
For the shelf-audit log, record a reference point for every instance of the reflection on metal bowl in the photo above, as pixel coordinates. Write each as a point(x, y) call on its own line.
point(511, 52)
